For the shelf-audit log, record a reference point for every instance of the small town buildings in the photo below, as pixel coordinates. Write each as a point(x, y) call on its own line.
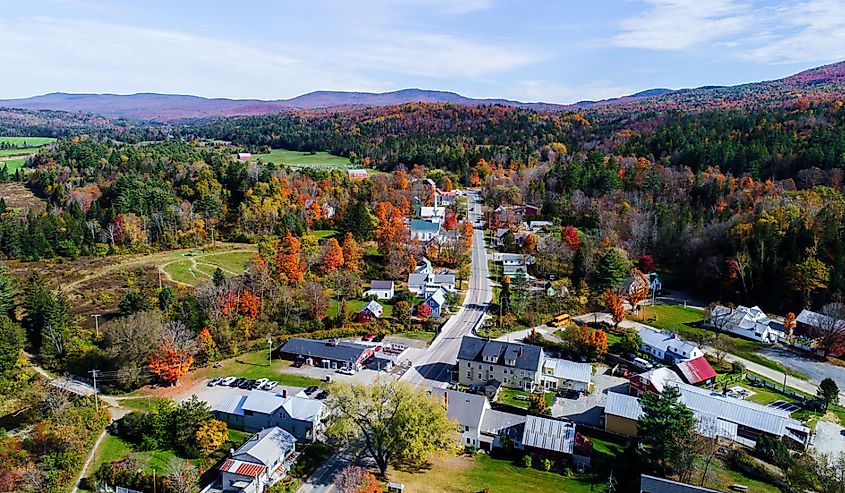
point(654, 282)
point(652, 484)
point(371, 311)
point(357, 174)
point(433, 214)
point(809, 323)
point(537, 226)
point(555, 440)
point(696, 371)
point(299, 415)
point(332, 354)
point(750, 323)
point(663, 345)
point(383, 290)
point(258, 463)
point(735, 419)
point(424, 267)
point(423, 231)
point(653, 381)
point(244, 156)
point(513, 263)
point(447, 198)
point(513, 364)
point(424, 285)
point(561, 375)
point(481, 426)
point(437, 303)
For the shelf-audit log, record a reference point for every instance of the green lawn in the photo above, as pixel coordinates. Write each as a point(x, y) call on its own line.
point(13, 164)
point(509, 396)
point(324, 234)
point(18, 151)
point(354, 306)
point(680, 320)
point(301, 159)
point(230, 262)
point(426, 337)
point(255, 365)
point(27, 141)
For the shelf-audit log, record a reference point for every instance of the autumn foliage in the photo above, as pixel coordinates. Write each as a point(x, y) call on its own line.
point(333, 256)
point(170, 363)
point(290, 265)
point(569, 235)
point(423, 310)
point(615, 305)
point(351, 253)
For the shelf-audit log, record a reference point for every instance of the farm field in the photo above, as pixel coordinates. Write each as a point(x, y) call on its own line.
point(304, 159)
point(13, 164)
point(27, 141)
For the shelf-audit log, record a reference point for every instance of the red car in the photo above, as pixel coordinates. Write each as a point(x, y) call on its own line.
point(369, 337)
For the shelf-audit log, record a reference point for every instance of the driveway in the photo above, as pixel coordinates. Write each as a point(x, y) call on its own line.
point(816, 370)
point(587, 409)
point(830, 438)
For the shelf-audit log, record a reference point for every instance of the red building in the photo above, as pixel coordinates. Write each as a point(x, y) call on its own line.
point(696, 371)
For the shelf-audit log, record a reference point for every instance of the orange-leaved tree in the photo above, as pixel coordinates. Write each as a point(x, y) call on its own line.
point(351, 253)
point(250, 304)
point(615, 305)
point(789, 323)
point(289, 262)
point(332, 256)
point(638, 289)
point(175, 355)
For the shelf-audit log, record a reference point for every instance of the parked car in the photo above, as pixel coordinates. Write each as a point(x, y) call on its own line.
point(310, 390)
point(378, 338)
point(298, 363)
point(322, 395)
point(270, 385)
point(227, 381)
point(247, 383)
point(238, 382)
point(369, 337)
point(261, 381)
point(214, 381)
point(346, 371)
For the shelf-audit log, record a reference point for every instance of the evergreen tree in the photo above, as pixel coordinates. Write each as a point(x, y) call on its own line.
point(612, 268)
point(358, 221)
point(666, 431)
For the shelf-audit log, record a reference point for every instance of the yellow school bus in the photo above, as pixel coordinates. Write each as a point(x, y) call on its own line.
point(561, 320)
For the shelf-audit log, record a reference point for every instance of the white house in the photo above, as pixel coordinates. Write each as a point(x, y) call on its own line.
point(513, 263)
point(665, 345)
point(244, 156)
point(561, 374)
point(424, 267)
point(480, 426)
point(751, 323)
point(258, 463)
point(298, 415)
point(433, 214)
point(383, 290)
point(423, 230)
point(424, 285)
point(357, 174)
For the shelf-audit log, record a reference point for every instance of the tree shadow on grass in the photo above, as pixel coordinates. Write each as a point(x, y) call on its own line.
point(413, 468)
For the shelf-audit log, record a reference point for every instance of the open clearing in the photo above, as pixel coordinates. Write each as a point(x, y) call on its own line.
point(17, 196)
point(27, 141)
point(299, 159)
point(193, 269)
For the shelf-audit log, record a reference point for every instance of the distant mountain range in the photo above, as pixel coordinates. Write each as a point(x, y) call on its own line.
point(826, 81)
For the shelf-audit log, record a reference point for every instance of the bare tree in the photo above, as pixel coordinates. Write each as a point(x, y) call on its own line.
point(830, 328)
point(130, 340)
point(183, 476)
point(718, 317)
point(349, 479)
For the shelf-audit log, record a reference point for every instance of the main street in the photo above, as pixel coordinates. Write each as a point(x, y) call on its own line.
point(433, 367)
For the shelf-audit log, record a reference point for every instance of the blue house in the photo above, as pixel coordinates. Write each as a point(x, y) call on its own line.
point(437, 302)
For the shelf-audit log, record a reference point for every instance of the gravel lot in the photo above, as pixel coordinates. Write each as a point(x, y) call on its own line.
point(588, 409)
point(830, 438)
point(816, 370)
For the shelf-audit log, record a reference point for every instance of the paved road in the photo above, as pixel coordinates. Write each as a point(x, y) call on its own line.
point(432, 368)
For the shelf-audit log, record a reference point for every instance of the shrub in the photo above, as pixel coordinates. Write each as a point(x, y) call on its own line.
point(547, 465)
point(527, 461)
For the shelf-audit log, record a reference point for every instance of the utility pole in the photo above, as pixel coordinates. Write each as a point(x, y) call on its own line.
point(270, 348)
point(97, 323)
point(159, 278)
point(96, 399)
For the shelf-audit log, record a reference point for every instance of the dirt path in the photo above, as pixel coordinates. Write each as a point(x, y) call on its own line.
point(88, 462)
point(162, 259)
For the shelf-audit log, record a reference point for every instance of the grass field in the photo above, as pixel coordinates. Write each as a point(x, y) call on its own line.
point(426, 337)
point(354, 306)
point(201, 267)
point(27, 141)
point(304, 159)
point(509, 396)
point(13, 164)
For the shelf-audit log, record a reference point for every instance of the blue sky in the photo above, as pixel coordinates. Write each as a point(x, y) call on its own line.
point(556, 51)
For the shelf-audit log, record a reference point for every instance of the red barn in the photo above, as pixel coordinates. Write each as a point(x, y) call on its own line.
point(696, 371)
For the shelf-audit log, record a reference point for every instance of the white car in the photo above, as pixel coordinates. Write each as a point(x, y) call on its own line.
point(346, 371)
point(227, 381)
point(259, 384)
point(270, 385)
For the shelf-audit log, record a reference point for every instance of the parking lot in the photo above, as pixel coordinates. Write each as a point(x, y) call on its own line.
point(830, 438)
point(588, 409)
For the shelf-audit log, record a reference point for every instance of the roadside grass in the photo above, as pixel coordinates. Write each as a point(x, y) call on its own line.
point(304, 159)
point(354, 306)
point(324, 234)
point(417, 335)
point(509, 397)
point(255, 365)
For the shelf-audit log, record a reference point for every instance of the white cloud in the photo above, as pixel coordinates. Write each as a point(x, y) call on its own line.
point(679, 25)
point(812, 31)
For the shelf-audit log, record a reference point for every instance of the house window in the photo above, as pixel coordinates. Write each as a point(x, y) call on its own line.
point(479, 375)
point(466, 428)
point(468, 441)
point(491, 367)
point(247, 413)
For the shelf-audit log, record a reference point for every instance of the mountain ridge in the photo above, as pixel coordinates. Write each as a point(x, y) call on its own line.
point(824, 81)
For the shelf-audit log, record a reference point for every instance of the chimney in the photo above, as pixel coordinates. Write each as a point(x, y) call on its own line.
point(446, 400)
point(284, 392)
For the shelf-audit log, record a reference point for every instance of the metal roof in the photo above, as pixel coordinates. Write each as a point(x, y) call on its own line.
point(623, 405)
point(696, 370)
point(549, 434)
point(381, 285)
point(303, 408)
point(495, 422)
point(261, 401)
point(666, 341)
point(652, 484)
point(340, 351)
point(659, 377)
point(373, 307)
point(465, 408)
point(242, 468)
point(815, 319)
point(233, 404)
point(528, 358)
point(266, 447)
point(420, 225)
point(569, 370)
point(417, 279)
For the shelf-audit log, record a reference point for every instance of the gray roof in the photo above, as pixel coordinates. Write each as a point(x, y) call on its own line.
point(815, 319)
point(381, 285)
point(444, 279)
point(666, 341)
point(373, 307)
point(651, 484)
point(549, 434)
point(417, 279)
point(233, 404)
point(706, 403)
point(296, 406)
point(473, 349)
point(261, 401)
point(266, 446)
point(342, 351)
point(303, 408)
point(570, 370)
point(496, 422)
point(465, 408)
point(438, 297)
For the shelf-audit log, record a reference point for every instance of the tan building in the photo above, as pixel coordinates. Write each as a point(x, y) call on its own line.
point(514, 365)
